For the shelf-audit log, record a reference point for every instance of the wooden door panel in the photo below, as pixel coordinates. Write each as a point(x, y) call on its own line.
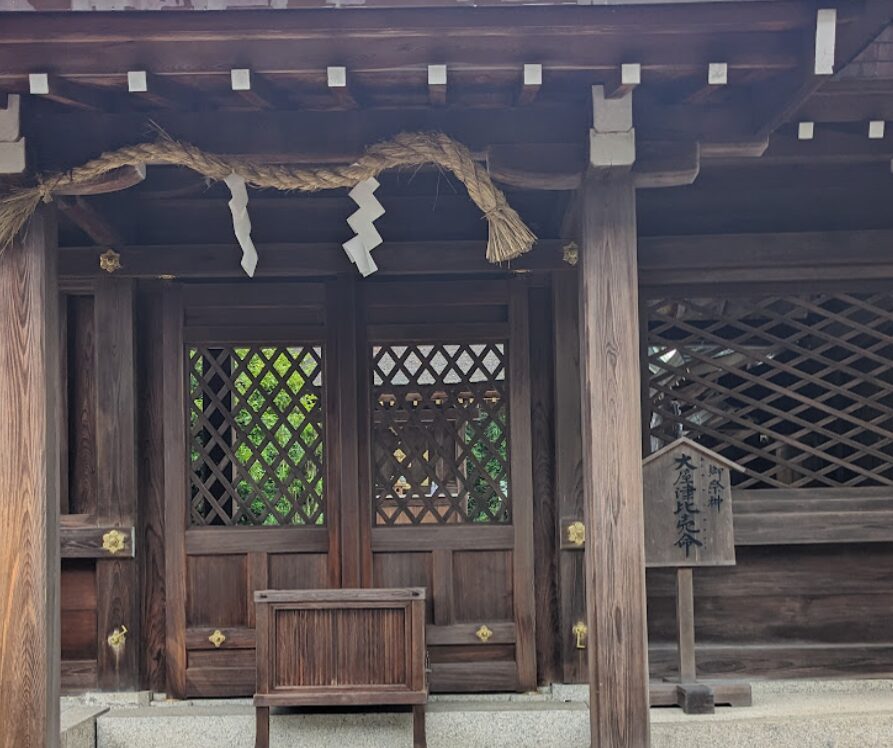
point(482, 586)
point(217, 591)
point(298, 571)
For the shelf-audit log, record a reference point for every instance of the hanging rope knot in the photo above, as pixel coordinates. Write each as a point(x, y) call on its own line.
point(45, 188)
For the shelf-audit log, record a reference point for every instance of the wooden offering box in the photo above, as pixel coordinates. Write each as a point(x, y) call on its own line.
point(340, 648)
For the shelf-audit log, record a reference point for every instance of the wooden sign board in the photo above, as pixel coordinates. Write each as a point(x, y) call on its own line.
point(688, 507)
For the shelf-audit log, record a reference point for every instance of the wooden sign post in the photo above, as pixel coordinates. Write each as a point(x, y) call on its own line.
point(688, 523)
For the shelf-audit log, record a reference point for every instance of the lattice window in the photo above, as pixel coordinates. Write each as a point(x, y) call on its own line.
point(797, 390)
point(440, 433)
point(256, 425)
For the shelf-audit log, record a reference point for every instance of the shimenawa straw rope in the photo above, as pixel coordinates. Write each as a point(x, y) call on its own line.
point(509, 235)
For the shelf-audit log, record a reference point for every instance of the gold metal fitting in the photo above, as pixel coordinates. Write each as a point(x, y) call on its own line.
point(117, 637)
point(110, 261)
point(576, 533)
point(114, 541)
point(217, 638)
point(580, 631)
point(484, 633)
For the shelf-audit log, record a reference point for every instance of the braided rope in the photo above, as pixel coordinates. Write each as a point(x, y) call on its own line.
point(509, 235)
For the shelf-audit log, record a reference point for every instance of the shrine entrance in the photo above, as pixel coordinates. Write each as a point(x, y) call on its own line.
point(350, 433)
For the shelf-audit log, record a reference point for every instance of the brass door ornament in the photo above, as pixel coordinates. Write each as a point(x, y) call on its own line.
point(113, 541)
point(484, 633)
point(576, 533)
point(117, 637)
point(217, 638)
point(580, 631)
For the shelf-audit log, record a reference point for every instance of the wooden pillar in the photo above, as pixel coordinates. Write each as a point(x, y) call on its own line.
point(612, 457)
point(117, 579)
point(29, 489)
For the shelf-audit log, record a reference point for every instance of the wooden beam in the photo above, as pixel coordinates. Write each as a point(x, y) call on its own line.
point(530, 84)
point(717, 77)
point(666, 164)
point(122, 178)
point(222, 260)
point(791, 94)
point(437, 84)
point(789, 257)
point(62, 91)
point(89, 220)
point(612, 457)
point(29, 489)
point(87, 541)
point(630, 77)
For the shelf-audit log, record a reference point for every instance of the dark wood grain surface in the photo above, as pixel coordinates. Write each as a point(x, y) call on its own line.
point(29, 489)
point(615, 564)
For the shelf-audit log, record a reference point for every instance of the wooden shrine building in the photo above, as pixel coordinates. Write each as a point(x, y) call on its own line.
point(710, 187)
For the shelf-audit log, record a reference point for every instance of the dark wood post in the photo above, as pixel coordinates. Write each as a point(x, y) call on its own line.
point(612, 456)
point(117, 580)
point(29, 489)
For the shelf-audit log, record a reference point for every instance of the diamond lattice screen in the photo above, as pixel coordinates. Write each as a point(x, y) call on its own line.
point(797, 390)
point(440, 433)
point(256, 435)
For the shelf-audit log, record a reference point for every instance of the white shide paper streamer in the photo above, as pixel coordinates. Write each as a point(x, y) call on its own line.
point(359, 248)
point(241, 222)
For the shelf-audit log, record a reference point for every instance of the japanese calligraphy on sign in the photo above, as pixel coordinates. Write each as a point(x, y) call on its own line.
point(688, 507)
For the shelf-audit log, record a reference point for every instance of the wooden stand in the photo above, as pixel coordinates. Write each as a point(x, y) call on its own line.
point(309, 639)
point(692, 696)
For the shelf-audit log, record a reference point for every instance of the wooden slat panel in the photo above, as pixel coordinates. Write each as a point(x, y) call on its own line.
point(807, 660)
point(792, 528)
point(29, 488)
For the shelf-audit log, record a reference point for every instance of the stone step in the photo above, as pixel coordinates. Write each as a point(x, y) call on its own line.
point(805, 714)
